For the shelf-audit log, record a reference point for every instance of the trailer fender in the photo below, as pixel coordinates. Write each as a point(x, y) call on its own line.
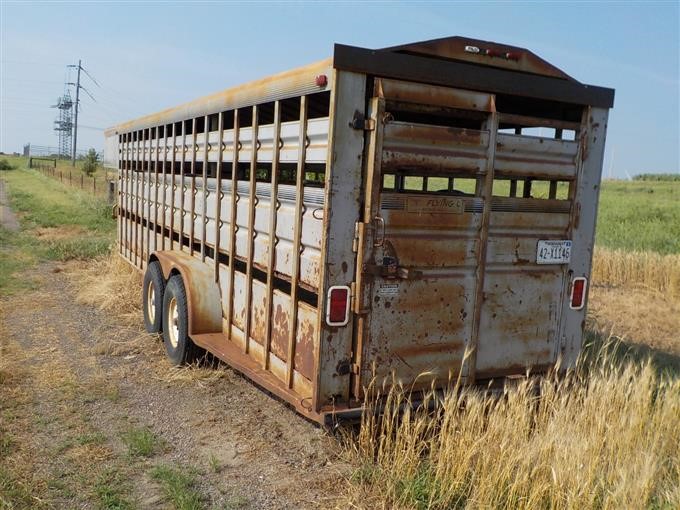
point(203, 293)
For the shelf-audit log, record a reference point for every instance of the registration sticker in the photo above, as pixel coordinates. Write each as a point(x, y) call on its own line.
point(553, 252)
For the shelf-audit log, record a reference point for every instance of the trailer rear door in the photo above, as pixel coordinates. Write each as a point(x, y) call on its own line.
point(442, 265)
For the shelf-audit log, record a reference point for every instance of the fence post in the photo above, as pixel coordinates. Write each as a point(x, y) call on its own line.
point(111, 193)
point(82, 181)
point(70, 179)
point(61, 176)
point(94, 184)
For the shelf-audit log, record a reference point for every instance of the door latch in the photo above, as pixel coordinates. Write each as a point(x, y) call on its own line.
point(359, 121)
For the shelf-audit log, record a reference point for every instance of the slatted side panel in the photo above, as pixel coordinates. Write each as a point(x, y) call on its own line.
point(246, 197)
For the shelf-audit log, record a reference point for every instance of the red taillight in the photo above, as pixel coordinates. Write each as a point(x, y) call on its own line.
point(578, 293)
point(337, 306)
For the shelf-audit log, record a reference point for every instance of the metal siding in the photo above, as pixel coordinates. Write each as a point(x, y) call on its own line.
point(584, 218)
point(343, 198)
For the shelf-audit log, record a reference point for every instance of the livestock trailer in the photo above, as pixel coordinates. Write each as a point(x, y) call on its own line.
point(420, 212)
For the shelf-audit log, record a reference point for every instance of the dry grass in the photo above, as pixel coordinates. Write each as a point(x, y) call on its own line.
point(639, 268)
point(628, 312)
point(112, 285)
point(606, 437)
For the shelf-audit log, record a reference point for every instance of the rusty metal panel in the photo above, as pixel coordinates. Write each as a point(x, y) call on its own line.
point(258, 311)
point(528, 156)
point(341, 211)
point(519, 317)
point(410, 92)
point(434, 149)
point(281, 321)
point(583, 219)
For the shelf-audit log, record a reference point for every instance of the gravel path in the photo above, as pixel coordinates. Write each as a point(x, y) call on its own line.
point(82, 371)
point(7, 217)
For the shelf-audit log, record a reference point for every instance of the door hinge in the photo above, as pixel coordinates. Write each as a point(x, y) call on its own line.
point(359, 121)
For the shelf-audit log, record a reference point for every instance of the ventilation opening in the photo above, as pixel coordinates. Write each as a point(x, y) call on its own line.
point(315, 175)
point(213, 122)
point(265, 114)
point(533, 107)
point(200, 124)
point(427, 184)
point(188, 126)
point(245, 117)
point(531, 188)
point(435, 116)
point(290, 109)
point(318, 105)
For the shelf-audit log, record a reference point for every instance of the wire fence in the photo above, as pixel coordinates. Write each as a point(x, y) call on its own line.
point(102, 183)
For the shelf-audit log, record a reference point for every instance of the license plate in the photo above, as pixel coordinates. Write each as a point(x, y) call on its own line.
point(553, 252)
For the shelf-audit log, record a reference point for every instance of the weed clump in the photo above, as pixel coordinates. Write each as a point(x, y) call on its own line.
point(6, 165)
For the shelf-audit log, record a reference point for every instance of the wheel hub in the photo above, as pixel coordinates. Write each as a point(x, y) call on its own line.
point(173, 323)
point(151, 303)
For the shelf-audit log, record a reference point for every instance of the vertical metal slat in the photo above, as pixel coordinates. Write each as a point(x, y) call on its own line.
point(297, 241)
point(182, 211)
point(273, 211)
point(121, 195)
point(136, 198)
point(218, 193)
point(232, 220)
point(204, 219)
point(194, 191)
point(487, 192)
point(251, 227)
point(173, 187)
point(164, 186)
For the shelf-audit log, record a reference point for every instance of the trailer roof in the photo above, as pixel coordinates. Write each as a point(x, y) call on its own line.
point(460, 62)
point(473, 64)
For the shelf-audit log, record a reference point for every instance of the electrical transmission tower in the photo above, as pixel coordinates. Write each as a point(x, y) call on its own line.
point(64, 123)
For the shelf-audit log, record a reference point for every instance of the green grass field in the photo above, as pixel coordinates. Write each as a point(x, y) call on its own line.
point(57, 223)
point(640, 216)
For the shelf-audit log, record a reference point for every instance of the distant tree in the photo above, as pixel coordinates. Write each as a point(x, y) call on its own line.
point(91, 162)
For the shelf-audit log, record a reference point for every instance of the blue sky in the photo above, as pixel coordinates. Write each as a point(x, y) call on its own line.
point(149, 56)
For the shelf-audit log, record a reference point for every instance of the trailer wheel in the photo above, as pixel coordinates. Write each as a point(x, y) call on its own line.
point(178, 346)
point(152, 297)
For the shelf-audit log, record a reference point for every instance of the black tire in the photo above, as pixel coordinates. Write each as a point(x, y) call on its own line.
point(154, 284)
point(178, 346)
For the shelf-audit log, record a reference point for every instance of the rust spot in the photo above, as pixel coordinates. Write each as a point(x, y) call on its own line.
point(305, 349)
point(280, 330)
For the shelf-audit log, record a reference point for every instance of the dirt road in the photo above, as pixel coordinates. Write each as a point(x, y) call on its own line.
point(80, 393)
point(7, 218)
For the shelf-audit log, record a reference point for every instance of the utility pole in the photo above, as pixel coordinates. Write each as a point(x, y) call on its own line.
point(75, 125)
point(76, 105)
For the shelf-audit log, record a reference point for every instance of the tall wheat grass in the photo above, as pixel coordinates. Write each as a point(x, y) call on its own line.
point(607, 437)
point(644, 268)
